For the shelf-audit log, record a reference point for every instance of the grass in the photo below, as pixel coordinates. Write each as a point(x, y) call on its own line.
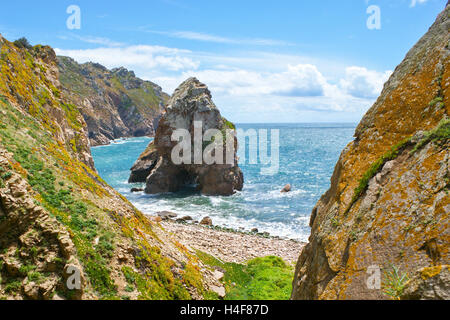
point(62, 203)
point(6, 175)
point(436, 101)
point(439, 135)
point(268, 278)
point(394, 283)
point(13, 286)
point(374, 169)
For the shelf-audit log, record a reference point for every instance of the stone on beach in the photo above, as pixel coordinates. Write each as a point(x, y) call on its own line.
point(207, 221)
point(166, 215)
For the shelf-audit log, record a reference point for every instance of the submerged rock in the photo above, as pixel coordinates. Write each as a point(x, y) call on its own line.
point(191, 109)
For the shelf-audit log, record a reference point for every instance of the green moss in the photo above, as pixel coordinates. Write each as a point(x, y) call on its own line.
point(228, 124)
point(268, 278)
point(35, 276)
point(151, 289)
point(24, 270)
point(13, 286)
point(72, 116)
point(435, 101)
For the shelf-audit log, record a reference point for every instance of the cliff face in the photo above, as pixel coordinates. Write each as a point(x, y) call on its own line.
point(114, 103)
point(58, 216)
point(388, 205)
point(191, 103)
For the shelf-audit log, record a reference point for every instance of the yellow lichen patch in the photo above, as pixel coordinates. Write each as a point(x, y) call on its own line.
point(430, 272)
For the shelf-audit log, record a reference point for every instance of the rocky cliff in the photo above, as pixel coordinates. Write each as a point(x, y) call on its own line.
point(114, 103)
point(58, 218)
point(191, 103)
point(382, 230)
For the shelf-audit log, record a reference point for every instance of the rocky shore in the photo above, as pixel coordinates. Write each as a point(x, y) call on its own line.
point(237, 247)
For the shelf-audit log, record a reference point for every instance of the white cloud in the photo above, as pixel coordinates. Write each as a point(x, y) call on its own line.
point(253, 87)
point(303, 80)
point(362, 83)
point(298, 93)
point(138, 57)
point(199, 36)
point(100, 41)
point(415, 2)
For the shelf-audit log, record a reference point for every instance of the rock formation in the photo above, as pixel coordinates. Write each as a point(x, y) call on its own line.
point(386, 214)
point(114, 103)
point(190, 103)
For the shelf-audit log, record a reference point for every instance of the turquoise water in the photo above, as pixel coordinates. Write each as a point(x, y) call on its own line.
point(308, 154)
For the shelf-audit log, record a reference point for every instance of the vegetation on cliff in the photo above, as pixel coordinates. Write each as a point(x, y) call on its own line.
point(268, 278)
point(114, 103)
point(56, 212)
point(388, 204)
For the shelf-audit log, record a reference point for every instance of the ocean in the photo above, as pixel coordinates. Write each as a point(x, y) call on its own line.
point(308, 154)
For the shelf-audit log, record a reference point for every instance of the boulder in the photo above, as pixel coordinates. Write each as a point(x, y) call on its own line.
point(191, 109)
point(144, 165)
point(207, 221)
point(287, 188)
point(185, 219)
point(218, 275)
point(31, 290)
point(220, 291)
point(166, 215)
point(134, 190)
point(431, 283)
point(156, 219)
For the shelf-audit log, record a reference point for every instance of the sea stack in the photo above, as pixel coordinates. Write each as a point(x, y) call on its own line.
point(190, 105)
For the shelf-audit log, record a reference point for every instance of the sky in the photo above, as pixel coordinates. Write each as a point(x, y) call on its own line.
point(264, 61)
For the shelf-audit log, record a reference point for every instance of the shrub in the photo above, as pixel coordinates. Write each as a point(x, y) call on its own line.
point(6, 175)
point(13, 287)
point(395, 283)
point(23, 43)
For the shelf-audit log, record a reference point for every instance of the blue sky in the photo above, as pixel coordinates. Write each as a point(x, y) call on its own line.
point(264, 61)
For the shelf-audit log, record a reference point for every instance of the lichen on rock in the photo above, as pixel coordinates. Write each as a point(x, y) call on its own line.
point(388, 203)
